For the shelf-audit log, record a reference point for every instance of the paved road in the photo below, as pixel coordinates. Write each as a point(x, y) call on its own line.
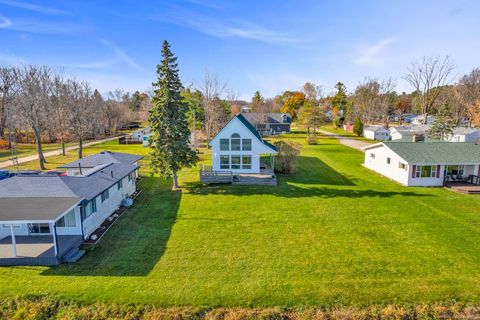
point(8, 163)
point(349, 142)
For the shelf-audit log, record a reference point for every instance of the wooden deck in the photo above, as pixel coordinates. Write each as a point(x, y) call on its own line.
point(464, 187)
point(265, 177)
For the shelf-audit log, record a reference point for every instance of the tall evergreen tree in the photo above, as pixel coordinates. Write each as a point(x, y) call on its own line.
point(443, 126)
point(170, 150)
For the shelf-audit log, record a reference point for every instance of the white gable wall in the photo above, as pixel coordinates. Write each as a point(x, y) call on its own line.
point(378, 163)
point(258, 147)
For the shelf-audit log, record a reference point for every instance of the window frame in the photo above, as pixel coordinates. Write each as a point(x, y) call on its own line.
point(234, 139)
point(120, 184)
point(222, 146)
point(235, 166)
point(389, 160)
point(105, 195)
point(249, 140)
point(249, 165)
point(227, 165)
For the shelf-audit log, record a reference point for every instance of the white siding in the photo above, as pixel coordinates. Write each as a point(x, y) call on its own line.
point(379, 164)
point(258, 148)
point(106, 208)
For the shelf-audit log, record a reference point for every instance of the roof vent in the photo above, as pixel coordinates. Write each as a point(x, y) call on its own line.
point(418, 137)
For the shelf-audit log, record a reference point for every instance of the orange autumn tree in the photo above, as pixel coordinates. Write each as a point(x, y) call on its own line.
point(293, 103)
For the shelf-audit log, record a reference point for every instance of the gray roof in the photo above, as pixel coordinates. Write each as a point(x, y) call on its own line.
point(97, 182)
point(65, 186)
point(258, 117)
point(103, 157)
point(35, 209)
point(463, 130)
point(436, 152)
point(413, 129)
point(375, 128)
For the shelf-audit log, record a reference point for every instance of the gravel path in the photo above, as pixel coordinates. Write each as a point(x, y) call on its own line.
point(349, 142)
point(8, 163)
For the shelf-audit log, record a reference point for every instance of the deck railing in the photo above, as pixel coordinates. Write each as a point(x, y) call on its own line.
point(207, 175)
point(471, 179)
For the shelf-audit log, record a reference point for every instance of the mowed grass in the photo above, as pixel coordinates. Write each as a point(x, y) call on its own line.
point(27, 149)
point(332, 234)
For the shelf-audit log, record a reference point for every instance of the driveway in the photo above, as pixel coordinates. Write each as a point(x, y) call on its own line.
point(8, 163)
point(349, 142)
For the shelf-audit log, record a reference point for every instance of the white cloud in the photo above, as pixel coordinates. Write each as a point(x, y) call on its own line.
point(227, 29)
point(371, 54)
point(32, 7)
point(4, 22)
point(123, 56)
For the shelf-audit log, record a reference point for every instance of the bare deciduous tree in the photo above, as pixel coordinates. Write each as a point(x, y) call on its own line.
point(427, 77)
point(8, 88)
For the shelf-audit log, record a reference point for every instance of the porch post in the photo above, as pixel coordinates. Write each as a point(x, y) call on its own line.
point(54, 233)
point(14, 241)
point(272, 162)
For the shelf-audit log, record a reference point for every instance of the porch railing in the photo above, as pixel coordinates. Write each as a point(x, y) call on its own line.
point(471, 179)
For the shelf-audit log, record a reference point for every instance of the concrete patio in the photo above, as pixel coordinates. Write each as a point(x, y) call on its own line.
point(32, 250)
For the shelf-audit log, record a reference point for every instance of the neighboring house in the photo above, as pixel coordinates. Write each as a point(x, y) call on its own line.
point(407, 132)
point(348, 127)
point(423, 163)
point(142, 135)
point(269, 123)
point(376, 132)
point(238, 146)
point(66, 209)
point(461, 134)
point(420, 120)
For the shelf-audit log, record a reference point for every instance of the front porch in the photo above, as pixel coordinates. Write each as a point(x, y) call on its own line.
point(468, 185)
point(37, 250)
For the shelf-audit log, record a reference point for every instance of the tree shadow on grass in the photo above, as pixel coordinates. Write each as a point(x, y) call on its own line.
point(137, 242)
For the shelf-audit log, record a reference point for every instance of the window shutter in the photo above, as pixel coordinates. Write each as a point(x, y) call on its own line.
point(438, 171)
point(414, 169)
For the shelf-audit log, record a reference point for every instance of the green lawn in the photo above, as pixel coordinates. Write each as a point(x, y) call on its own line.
point(26, 149)
point(343, 133)
point(334, 233)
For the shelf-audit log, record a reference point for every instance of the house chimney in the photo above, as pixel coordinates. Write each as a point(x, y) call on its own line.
point(418, 138)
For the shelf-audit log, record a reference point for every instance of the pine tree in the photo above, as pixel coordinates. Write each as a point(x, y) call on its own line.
point(168, 122)
point(358, 126)
point(443, 126)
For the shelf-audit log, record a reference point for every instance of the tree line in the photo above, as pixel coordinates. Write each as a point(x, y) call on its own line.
point(41, 104)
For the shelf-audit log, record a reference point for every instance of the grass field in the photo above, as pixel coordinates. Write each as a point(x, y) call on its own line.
point(25, 149)
point(332, 234)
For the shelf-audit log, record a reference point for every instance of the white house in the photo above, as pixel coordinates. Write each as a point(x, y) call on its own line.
point(64, 209)
point(376, 132)
point(142, 135)
point(420, 119)
point(407, 132)
point(238, 146)
point(423, 163)
point(461, 134)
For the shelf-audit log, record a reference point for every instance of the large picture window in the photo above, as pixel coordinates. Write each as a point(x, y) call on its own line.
point(224, 144)
point(247, 144)
point(224, 162)
point(235, 142)
point(235, 162)
point(246, 162)
point(426, 172)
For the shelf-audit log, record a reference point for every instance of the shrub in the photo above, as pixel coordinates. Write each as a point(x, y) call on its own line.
point(286, 159)
point(3, 144)
point(312, 139)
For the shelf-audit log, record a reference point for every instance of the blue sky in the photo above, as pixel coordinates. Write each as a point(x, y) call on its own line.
point(262, 45)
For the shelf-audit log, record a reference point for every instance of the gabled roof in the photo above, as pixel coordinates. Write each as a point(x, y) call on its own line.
point(272, 117)
point(375, 128)
point(252, 129)
point(103, 157)
point(463, 130)
point(434, 152)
